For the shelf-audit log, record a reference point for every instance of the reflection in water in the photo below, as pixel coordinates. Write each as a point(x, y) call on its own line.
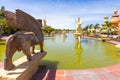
point(2, 50)
point(78, 51)
point(64, 38)
point(86, 41)
point(53, 39)
point(78, 38)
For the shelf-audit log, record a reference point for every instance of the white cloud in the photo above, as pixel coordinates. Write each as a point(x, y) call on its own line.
point(60, 21)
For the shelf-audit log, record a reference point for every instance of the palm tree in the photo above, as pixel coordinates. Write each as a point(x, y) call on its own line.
point(109, 27)
point(90, 26)
point(86, 27)
point(95, 27)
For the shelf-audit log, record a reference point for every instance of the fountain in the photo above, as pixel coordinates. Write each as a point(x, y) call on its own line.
point(78, 33)
point(105, 29)
point(104, 25)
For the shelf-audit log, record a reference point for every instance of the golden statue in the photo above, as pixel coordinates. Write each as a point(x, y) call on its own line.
point(78, 32)
point(119, 28)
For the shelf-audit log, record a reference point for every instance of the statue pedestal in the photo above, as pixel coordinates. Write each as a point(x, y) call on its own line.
point(24, 69)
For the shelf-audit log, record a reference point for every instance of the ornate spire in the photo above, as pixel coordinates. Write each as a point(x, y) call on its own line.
point(106, 19)
point(115, 13)
point(115, 18)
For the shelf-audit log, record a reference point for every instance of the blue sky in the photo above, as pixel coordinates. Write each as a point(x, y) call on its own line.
point(62, 13)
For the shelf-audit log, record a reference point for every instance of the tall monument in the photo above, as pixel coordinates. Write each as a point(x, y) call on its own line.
point(78, 32)
point(115, 20)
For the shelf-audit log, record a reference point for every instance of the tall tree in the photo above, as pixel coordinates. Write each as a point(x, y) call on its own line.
point(96, 26)
point(90, 26)
point(2, 8)
point(48, 29)
point(2, 11)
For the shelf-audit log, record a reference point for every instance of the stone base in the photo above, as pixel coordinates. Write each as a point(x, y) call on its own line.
point(24, 69)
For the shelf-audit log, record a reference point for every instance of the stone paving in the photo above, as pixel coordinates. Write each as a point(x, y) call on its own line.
point(104, 73)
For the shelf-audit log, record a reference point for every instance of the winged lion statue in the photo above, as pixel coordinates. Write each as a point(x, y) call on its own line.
point(30, 34)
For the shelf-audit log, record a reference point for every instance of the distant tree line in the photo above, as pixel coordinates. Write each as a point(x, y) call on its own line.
point(90, 26)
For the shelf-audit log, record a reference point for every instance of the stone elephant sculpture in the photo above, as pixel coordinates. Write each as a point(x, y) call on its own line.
point(21, 41)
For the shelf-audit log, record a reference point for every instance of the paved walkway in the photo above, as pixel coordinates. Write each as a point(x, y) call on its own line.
point(104, 73)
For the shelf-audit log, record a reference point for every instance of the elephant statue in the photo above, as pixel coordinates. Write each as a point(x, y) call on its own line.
point(20, 41)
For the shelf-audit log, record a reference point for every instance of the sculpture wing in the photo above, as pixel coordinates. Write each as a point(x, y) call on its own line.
point(25, 21)
point(22, 21)
point(28, 23)
point(10, 19)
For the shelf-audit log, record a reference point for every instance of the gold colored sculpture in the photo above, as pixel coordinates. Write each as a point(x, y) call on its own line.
point(119, 29)
point(78, 32)
point(115, 19)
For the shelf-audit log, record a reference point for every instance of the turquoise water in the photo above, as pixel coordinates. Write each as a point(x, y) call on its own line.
point(67, 53)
